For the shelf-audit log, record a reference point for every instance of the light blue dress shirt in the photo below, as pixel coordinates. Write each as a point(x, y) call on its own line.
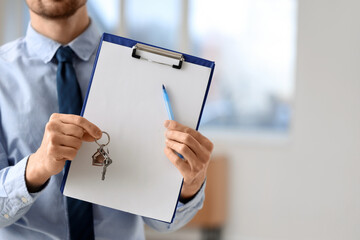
point(28, 97)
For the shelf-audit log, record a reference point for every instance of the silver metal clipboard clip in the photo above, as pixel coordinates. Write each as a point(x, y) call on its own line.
point(159, 51)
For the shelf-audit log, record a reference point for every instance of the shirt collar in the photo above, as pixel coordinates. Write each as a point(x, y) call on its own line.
point(45, 48)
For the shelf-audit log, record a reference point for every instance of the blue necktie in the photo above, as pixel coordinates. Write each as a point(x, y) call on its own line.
point(70, 101)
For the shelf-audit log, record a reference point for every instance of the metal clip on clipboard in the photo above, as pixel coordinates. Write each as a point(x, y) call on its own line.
point(159, 51)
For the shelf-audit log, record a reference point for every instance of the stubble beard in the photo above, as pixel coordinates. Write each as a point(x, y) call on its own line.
point(55, 9)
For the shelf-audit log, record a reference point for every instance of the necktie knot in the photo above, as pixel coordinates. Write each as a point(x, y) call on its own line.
point(64, 54)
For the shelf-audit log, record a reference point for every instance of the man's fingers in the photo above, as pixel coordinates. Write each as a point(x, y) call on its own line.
point(60, 153)
point(89, 127)
point(173, 125)
point(65, 153)
point(72, 130)
point(88, 138)
point(67, 141)
point(186, 139)
point(181, 148)
point(179, 163)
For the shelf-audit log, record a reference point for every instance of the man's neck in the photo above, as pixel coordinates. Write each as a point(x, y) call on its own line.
point(61, 30)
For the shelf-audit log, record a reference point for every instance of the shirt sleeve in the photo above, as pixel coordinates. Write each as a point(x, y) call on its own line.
point(184, 213)
point(15, 200)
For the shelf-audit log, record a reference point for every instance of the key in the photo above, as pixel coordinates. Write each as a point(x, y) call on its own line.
point(107, 162)
point(103, 172)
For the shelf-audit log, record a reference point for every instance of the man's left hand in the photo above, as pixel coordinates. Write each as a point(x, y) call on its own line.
point(196, 150)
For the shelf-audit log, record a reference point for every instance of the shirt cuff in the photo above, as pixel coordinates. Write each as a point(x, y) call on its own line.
point(198, 198)
point(185, 212)
point(18, 199)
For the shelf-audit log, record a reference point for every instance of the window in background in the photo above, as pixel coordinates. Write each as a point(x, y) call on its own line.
point(14, 19)
point(154, 22)
point(105, 14)
point(253, 43)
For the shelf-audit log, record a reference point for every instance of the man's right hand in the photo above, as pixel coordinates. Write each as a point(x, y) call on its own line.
point(64, 134)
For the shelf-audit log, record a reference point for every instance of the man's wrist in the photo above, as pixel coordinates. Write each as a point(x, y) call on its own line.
point(186, 200)
point(189, 192)
point(35, 176)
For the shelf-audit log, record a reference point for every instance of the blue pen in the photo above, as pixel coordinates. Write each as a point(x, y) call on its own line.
point(169, 111)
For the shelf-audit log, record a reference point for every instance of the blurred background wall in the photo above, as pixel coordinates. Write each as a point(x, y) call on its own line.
point(283, 109)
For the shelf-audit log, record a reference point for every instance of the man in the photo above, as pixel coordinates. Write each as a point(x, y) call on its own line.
point(35, 140)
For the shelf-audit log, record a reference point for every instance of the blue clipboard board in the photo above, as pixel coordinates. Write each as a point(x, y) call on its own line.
point(178, 62)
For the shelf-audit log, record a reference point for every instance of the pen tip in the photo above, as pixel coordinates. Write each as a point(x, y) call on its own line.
point(163, 86)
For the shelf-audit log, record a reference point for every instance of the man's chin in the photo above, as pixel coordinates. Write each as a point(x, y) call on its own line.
point(55, 9)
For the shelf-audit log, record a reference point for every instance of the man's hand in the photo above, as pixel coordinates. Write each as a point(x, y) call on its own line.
point(64, 134)
point(196, 150)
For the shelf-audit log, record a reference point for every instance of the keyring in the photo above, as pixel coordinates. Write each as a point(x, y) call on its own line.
point(103, 145)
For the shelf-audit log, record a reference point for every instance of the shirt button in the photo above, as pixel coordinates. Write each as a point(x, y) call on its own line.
point(24, 200)
point(6, 216)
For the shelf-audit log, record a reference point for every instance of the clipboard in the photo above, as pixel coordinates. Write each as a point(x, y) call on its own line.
point(125, 99)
